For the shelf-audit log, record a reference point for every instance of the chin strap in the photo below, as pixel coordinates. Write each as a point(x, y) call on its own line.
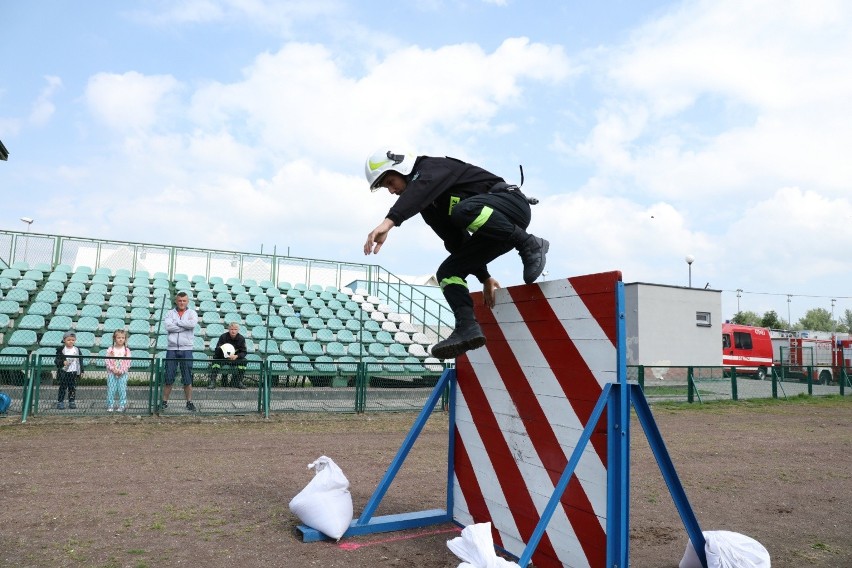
point(530, 200)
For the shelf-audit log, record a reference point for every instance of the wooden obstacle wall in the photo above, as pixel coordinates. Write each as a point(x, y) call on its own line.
point(521, 404)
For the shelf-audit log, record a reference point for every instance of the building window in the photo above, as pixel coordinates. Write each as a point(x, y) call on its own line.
point(702, 319)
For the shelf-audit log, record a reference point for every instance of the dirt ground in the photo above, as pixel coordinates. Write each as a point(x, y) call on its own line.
point(201, 491)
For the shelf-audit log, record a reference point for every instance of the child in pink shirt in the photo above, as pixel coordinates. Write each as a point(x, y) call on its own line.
point(117, 364)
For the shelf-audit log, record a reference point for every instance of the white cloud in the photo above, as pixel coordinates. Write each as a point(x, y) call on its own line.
point(729, 98)
point(792, 229)
point(274, 15)
point(591, 233)
point(299, 100)
point(131, 101)
point(43, 107)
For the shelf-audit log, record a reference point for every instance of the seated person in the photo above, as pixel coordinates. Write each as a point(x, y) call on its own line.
point(230, 351)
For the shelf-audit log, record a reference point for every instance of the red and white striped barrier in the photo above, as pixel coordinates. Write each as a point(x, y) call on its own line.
point(522, 402)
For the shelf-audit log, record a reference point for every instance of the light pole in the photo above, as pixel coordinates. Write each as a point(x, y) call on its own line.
point(739, 294)
point(789, 321)
point(833, 325)
point(689, 260)
point(29, 222)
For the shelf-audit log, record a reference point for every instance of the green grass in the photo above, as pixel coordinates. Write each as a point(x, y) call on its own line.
point(802, 399)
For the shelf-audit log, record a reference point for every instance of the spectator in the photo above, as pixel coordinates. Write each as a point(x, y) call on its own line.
point(234, 356)
point(478, 216)
point(180, 325)
point(117, 365)
point(69, 362)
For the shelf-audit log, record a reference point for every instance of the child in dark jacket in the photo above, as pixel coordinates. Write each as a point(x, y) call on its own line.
point(69, 362)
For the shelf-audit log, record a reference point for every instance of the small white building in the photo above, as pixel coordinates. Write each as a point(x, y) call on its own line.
point(672, 325)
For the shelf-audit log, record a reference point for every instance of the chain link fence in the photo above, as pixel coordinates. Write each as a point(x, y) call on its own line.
point(262, 387)
point(703, 384)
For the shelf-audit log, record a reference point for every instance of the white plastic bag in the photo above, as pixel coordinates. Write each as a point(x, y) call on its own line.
point(325, 503)
point(726, 549)
point(476, 548)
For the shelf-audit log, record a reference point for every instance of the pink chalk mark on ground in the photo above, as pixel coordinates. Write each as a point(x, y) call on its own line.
point(357, 545)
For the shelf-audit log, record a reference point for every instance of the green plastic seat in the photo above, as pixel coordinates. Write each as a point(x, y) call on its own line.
point(32, 321)
point(40, 309)
point(60, 323)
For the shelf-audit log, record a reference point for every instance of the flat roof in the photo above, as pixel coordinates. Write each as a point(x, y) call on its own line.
point(697, 288)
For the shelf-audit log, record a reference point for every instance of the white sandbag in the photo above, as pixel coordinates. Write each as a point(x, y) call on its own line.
point(476, 548)
point(325, 503)
point(726, 549)
point(690, 558)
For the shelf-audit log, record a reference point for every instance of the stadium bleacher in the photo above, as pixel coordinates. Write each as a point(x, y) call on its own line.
point(297, 328)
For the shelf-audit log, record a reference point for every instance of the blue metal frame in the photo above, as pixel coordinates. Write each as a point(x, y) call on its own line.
point(617, 398)
point(618, 442)
point(366, 523)
point(562, 484)
point(664, 461)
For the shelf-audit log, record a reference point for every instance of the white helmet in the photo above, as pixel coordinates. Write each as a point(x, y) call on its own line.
point(384, 161)
point(227, 349)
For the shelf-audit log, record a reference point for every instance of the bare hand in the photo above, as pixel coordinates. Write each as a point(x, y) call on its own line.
point(489, 287)
point(377, 237)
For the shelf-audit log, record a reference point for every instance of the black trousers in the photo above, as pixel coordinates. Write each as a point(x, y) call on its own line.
point(236, 368)
point(497, 223)
point(67, 381)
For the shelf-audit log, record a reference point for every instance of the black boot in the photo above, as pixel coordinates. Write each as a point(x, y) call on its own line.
point(466, 336)
point(533, 252)
point(239, 380)
point(211, 381)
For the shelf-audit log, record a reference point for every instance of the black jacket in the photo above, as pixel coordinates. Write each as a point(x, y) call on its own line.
point(432, 184)
point(59, 361)
point(433, 188)
point(238, 341)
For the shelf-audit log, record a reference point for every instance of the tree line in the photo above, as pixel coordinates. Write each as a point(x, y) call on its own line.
point(816, 319)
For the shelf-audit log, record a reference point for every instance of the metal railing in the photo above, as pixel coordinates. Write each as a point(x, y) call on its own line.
point(269, 387)
point(172, 262)
point(705, 383)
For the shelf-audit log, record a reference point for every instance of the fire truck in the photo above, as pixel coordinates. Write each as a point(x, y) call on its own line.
point(755, 350)
point(822, 357)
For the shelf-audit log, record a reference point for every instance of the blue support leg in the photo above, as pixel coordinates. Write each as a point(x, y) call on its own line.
point(655, 440)
point(562, 484)
point(366, 524)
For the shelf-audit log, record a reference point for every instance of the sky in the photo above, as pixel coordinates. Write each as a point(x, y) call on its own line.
point(649, 131)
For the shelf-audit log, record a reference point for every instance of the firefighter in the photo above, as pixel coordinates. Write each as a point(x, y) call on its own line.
point(478, 216)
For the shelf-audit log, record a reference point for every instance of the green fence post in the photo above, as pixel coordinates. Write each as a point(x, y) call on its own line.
point(690, 390)
point(843, 379)
point(774, 381)
point(734, 384)
point(810, 380)
point(641, 377)
point(36, 397)
point(360, 387)
point(154, 386)
point(27, 398)
point(267, 391)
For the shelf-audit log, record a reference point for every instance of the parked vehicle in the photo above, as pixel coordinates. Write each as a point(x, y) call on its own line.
point(747, 348)
point(755, 350)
